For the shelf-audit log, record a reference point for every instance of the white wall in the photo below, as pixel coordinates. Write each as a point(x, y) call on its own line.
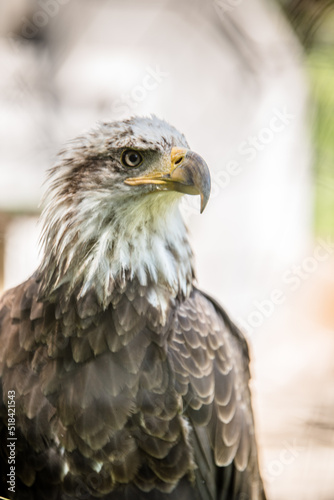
point(21, 250)
point(178, 62)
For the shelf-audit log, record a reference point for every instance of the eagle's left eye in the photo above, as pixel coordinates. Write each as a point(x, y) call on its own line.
point(131, 158)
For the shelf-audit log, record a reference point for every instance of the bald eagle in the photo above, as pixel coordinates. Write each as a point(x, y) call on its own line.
point(120, 379)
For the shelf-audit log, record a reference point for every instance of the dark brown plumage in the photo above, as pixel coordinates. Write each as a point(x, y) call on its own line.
point(134, 390)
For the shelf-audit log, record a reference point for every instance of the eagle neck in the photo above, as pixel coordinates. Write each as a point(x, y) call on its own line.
point(148, 246)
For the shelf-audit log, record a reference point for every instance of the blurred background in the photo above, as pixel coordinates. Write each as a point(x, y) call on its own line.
point(251, 84)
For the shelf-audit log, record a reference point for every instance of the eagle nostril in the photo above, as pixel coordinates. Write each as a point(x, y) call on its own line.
point(178, 160)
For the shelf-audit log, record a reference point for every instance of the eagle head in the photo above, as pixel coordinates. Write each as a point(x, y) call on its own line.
point(111, 211)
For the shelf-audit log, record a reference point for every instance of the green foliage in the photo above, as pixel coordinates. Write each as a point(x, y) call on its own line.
point(321, 67)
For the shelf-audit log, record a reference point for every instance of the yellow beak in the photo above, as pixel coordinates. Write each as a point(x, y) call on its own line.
point(188, 174)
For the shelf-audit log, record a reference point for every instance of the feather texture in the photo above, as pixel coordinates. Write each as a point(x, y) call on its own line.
point(178, 409)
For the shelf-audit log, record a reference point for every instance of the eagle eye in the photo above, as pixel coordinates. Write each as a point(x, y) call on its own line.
point(131, 158)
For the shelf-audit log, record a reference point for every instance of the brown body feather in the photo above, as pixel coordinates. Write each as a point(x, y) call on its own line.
point(135, 406)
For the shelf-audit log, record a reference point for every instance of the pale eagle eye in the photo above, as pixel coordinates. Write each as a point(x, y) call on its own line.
point(131, 158)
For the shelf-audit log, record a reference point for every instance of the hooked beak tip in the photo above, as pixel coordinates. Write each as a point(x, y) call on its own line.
point(192, 176)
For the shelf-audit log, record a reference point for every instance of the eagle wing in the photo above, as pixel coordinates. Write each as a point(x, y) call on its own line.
point(211, 363)
point(22, 330)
